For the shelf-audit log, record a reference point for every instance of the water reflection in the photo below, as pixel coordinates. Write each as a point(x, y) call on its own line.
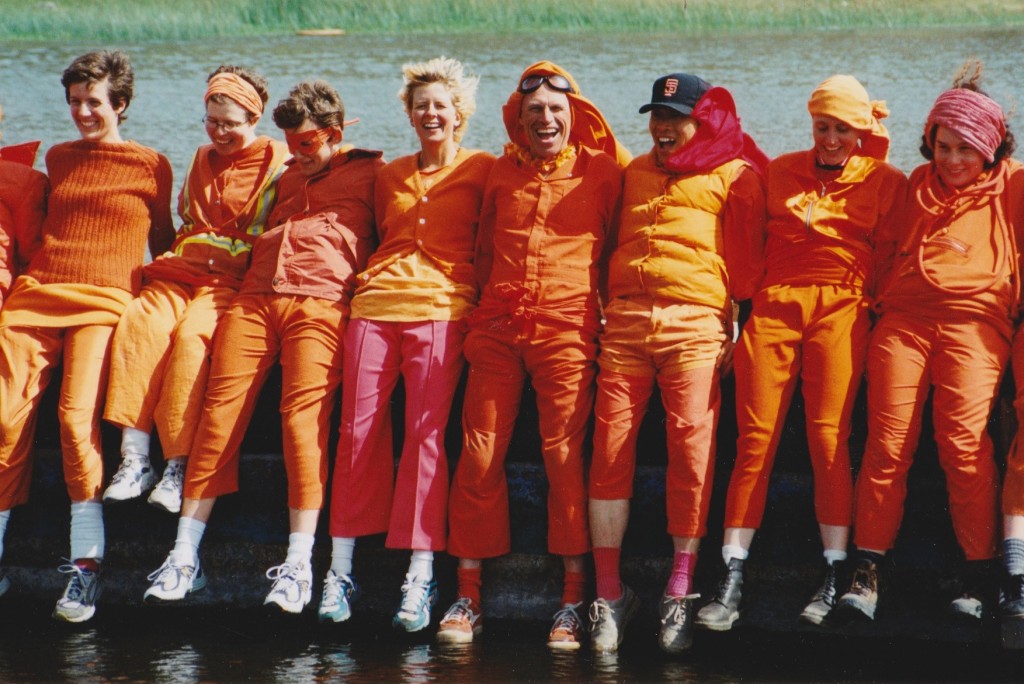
point(177, 665)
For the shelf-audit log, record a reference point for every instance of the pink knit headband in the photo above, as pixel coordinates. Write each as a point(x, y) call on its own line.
point(974, 117)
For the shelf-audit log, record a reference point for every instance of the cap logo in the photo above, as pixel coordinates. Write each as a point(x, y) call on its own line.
point(671, 85)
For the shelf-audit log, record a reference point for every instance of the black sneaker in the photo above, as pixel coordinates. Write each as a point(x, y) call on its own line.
point(977, 591)
point(1011, 612)
point(862, 597)
point(724, 609)
point(824, 600)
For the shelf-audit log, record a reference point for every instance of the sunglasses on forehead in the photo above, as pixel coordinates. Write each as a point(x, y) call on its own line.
point(554, 81)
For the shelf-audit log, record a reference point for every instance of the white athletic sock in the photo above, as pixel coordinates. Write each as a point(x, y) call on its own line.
point(87, 537)
point(834, 556)
point(186, 544)
point(422, 565)
point(4, 517)
point(300, 549)
point(730, 551)
point(342, 550)
point(134, 442)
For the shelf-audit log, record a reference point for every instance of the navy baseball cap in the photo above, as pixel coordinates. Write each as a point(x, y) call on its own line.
point(677, 91)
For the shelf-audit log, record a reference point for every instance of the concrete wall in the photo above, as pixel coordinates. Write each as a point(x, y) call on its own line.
point(248, 532)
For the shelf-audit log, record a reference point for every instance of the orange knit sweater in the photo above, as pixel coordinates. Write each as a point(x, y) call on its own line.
point(105, 200)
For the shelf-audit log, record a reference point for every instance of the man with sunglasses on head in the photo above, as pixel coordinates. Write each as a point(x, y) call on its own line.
point(549, 204)
point(692, 215)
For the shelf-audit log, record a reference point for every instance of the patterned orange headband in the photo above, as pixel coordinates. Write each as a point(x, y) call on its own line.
point(236, 88)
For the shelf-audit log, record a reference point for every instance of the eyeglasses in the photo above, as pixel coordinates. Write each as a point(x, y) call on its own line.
point(554, 81)
point(226, 126)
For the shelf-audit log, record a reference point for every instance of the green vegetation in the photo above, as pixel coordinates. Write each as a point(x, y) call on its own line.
point(135, 20)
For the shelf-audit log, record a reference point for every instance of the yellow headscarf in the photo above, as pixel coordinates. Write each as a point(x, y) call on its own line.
point(844, 98)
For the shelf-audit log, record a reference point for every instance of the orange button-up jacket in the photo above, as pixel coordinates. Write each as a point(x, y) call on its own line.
point(223, 211)
point(824, 233)
point(322, 230)
point(22, 210)
point(541, 240)
point(688, 238)
point(436, 214)
point(966, 240)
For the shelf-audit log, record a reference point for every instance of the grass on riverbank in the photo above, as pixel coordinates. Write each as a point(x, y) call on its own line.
point(141, 20)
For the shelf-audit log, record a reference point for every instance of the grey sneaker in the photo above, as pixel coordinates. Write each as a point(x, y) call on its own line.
point(173, 581)
point(824, 600)
point(723, 610)
point(134, 477)
point(676, 613)
point(608, 620)
point(292, 589)
point(862, 597)
point(78, 603)
point(336, 600)
point(167, 494)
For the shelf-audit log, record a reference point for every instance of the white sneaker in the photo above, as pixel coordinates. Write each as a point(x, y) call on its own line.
point(293, 587)
point(167, 494)
point(78, 603)
point(173, 582)
point(134, 477)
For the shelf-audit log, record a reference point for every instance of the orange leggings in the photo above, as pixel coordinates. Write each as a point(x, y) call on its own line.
point(560, 363)
point(817, 334)
point(160, 359)
point(1013, 486)
point(305, 334)
point(963, 362)
point(28, 356)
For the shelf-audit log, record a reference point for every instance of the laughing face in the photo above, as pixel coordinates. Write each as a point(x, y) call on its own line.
point(433, 114)
point(834, 140)
point(546, 115)
point(670, 130)
point(228, 126)
point(93, 113)
point(957, 163)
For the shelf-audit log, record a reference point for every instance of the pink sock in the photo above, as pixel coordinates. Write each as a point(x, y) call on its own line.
point(606, 571)
point(681, 580)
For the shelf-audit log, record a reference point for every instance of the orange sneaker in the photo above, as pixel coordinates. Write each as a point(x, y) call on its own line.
point(461, 622)
point(567, 631)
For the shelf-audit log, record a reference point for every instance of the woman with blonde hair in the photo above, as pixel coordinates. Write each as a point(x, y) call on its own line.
point(406, 322)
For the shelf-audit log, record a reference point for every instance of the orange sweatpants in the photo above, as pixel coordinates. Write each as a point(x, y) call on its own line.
point(560, 363)
point(28, 357)
point(963, 362)
point(160, 359)
point(1013, 485)
point(647, 340)
point(818, 334)
point(305, 333)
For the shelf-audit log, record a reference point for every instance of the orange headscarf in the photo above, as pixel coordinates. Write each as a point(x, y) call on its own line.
point(589, 127)
point(844, 98)
point(238, 89)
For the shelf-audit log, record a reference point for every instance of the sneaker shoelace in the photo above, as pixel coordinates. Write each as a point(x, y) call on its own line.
point(284, 571)
point(567, 619)
point(599, 610)
point(75, 590)
point(458, 612)
point(676, 614)
point(123, 471)
point(414, 596)
point(173, 477)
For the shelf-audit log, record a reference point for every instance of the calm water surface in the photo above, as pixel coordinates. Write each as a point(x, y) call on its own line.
point(770, 75)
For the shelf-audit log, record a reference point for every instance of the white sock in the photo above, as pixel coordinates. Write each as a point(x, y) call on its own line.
point(834, 556)
point(87, 537)
point(135, 442)
point(730, 551)
point(422, 565)
point(186, 544)
point(4, 517)
point(300, 549)
point(342, 550)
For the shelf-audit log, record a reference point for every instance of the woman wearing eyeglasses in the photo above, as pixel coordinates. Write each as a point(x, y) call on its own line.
point(549, 205)
point(292, 307)
point(407, 321)
point(109, 197)
point(161, 350)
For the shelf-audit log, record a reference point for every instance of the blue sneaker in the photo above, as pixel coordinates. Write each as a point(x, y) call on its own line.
point(336, 600)
point(418, 597)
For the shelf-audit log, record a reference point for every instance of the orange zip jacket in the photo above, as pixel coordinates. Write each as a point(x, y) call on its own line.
point(824, 233)
point(22, 210)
